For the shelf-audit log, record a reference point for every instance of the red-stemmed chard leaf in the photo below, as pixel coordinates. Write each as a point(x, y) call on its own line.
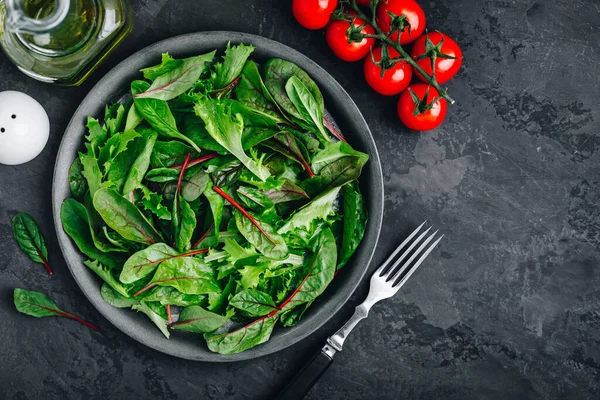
point(30, 239)
point(145, 261)
point(204, 235)
point(39, 305)
point(287, 144)
point(184, 218)
point(331, 128)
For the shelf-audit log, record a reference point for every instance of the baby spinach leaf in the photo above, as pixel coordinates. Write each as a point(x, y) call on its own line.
point(95, 226)
point(251, 91)
point(197, 319)
point(178, 80)
point(336, 174)
point(253, 303)
point(188, 275)
point(253, 198)
point(228, 173)
point(319, 208)
point(216, 203)
point(333, 152)
point(276, 73)
point(244, 338)
point(124, 217)
point(146, 261)
point(226, 129)
point(77, 181)
point(107, 276)
point(193, 127)
point(39, 305)
point(159, 321)
point(285, 143)
point(167, 154)
point(263, 236)
point(233, 62)
point(159, 116)
point(292, 317)
point(184, 223)
point(355, 220)
point(193, 187)
point(133, 119)
point(320, 269)
point(113, 298)
point(310, 111)
point(169, 295)
point(30, 239)
point(285, 191)
point(74, 219)
point(217, 302)
point(140, 166)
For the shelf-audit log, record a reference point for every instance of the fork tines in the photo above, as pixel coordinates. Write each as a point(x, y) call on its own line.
point(418, 247)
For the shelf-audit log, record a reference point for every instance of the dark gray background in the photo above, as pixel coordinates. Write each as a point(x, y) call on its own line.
point(507, 308)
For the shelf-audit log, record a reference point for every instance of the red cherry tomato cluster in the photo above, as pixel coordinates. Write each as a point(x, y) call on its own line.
point(420, 106)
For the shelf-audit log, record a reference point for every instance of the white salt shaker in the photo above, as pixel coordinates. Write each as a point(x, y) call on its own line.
point(24, 128)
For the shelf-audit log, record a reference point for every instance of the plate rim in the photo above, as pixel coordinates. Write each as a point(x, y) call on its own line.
point(82, 275)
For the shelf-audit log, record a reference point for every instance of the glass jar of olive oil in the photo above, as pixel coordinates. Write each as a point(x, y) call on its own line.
point(61, 41)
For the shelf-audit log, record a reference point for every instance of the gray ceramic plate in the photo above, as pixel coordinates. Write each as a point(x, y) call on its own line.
point(347, 115)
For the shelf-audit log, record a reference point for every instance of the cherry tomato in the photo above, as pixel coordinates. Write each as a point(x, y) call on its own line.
point(313, 14)
point(337, 39)
point(414, 16)
point(395, 79)
point(445, 68)
point(429, 118)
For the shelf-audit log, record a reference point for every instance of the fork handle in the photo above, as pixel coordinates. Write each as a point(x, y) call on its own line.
point(306, 378)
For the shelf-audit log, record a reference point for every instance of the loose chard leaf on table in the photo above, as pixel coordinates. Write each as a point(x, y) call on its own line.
point(176, 81)
point(39, 305)
point(74, 218)
point(30, 239)
point(197, 319)
point(355, 221)
point(158, 114)
point(124, 217)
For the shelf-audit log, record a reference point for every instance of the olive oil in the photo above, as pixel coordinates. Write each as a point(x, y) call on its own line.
point(68, 51)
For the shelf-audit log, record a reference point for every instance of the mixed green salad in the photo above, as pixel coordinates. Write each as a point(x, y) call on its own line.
point(219, 200)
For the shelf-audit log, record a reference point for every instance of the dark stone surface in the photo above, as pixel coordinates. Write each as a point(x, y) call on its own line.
point(507, 308)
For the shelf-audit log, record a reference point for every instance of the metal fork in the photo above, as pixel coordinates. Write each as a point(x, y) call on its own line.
point(385, 283)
